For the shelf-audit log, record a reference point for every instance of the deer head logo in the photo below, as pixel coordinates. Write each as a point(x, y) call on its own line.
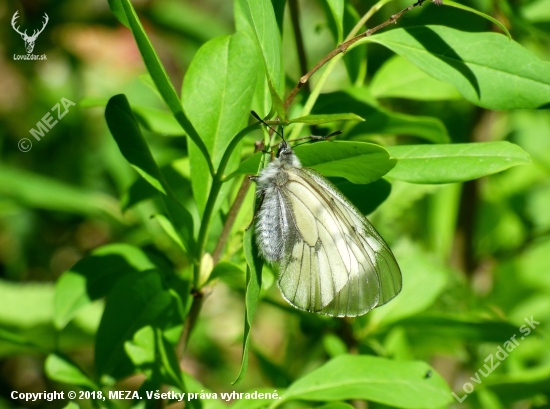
point(29, 40)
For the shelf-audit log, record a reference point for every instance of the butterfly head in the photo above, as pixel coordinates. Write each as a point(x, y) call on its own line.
point(286, 156)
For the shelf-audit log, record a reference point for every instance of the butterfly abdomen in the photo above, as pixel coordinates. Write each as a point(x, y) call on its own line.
point(272, 224)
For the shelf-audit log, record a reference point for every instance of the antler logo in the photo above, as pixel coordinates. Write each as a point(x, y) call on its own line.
point(29, 40)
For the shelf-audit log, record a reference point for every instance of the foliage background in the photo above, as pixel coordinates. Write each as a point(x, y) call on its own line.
point(475, 255)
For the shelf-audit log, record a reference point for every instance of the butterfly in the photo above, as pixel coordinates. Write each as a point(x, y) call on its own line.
point(330, 258)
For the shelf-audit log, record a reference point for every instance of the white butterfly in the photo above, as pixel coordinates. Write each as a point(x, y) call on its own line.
point(331, 259)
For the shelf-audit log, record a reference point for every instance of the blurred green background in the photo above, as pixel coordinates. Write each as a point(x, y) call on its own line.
point(483, 246)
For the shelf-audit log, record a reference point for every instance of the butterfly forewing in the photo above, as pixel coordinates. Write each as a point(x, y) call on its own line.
point(330, 267)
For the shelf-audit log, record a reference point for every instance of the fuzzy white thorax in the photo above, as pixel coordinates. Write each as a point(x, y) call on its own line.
point(274, 173)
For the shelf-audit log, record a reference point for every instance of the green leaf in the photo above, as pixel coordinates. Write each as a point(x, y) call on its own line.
point(170, 363)
point(453, 327)
point(336, 18)
point(537, 11)
point(25, 305)
point(133, 147)
point(336, 405)
point(177, 174)
point(454, 162)
point(37, 191)
point(118, 11)
point(217, 93)
point(249, 166)
point(138, 191)
point(487, 69)
point(169, 229)
point(326, 118)
point(278, 103)
point(334, 345)
point(225, 269)
point(396, 383)
point(136, 301)
point(161, 80)
point(533, 262)
point(141, 349)
point(158, 121)
point(262, 94)
point(398, 78)
point(261, 18)
point(92, 102)
point(253, 286)
point(21, 341)
point(71, 405)
point(60, 369)
point(379, 120)
point(358, 162)
point(524, 385)
point(479, 13)
point(279, 9)
point(93, 277)
point(365, 197)
point(189, 19)
point(151, 353)
point(355, 61)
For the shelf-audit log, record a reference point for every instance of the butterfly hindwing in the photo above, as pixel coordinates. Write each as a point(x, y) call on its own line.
point(334, 262)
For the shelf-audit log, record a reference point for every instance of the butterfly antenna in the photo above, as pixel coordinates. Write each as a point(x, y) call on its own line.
point(255, 115)
point(315, 138)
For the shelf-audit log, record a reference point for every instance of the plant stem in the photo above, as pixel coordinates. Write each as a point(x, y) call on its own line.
point(189, 324)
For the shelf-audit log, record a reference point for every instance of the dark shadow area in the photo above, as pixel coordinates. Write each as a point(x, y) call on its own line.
point(436, 46)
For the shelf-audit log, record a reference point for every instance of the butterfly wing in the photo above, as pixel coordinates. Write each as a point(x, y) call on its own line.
point(335, 262)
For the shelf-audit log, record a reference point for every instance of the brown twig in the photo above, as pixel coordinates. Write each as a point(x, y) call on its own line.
point(234, 211)
point(344, 46)
point(196, 305)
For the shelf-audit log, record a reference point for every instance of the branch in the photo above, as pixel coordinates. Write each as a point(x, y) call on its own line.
point(345, 45)
point(198, 298)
